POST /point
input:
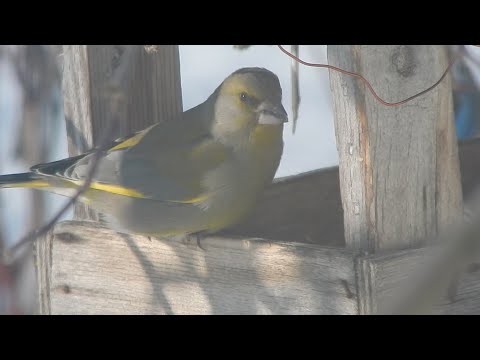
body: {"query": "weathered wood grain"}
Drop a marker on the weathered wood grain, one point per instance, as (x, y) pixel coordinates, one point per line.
(43, 268)
(399, 172)
(98, 271)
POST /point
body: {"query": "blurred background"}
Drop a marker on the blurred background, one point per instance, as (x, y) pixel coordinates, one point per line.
(32, 128)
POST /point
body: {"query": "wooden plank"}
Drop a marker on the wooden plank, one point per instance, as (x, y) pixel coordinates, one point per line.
(380, 277)
(98, 271)
(399, 172)
(151, 89)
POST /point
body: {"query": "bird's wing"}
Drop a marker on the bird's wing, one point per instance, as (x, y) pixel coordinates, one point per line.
(167, 162)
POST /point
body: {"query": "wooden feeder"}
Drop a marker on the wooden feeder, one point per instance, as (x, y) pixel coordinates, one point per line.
(332, 241)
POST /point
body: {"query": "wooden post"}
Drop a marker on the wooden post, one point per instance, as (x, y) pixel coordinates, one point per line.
(152, 91)
(151, 88)
(399, 172)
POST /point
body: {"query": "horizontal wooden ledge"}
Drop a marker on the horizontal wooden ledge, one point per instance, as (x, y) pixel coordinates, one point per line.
(96, 270)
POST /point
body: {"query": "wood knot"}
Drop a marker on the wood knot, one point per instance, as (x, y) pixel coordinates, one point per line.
(66, 289)
(118, 52)
(67, 237)
(151, 49)
(403, 60)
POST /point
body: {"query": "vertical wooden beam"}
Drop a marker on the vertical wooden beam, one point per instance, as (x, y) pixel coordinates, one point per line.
(399, 170)
(152, 90)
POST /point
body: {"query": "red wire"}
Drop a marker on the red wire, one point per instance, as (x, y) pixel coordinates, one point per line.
(366, 82)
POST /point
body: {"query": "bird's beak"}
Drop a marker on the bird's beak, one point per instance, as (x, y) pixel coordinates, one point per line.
(270, 114)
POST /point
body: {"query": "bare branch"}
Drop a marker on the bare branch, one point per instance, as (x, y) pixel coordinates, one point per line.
(295, 87)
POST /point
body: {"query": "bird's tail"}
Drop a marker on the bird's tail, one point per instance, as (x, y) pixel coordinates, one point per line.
(24, 180)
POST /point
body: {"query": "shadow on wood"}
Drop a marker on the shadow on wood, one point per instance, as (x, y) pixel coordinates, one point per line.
(98, 271)
(305, 208)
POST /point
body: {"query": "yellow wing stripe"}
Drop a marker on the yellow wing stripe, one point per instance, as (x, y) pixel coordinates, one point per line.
(120, 190)
(132, 141)
(114, 189)
(192, 200)
(28, 184)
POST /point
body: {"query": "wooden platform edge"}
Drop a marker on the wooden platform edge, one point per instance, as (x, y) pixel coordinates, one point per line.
(96, 270)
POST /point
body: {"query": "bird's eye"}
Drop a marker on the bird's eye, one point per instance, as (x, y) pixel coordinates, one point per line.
(243, 97)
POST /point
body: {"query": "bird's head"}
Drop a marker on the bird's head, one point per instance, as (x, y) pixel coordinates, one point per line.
(247, 99)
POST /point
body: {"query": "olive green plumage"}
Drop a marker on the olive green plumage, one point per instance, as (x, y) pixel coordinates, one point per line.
(201, 172)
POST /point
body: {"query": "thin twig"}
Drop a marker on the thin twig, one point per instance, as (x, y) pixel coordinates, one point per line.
(295, 87)
(113, 87)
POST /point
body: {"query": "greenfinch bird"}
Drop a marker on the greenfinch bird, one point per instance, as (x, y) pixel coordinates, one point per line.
(199, 173)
